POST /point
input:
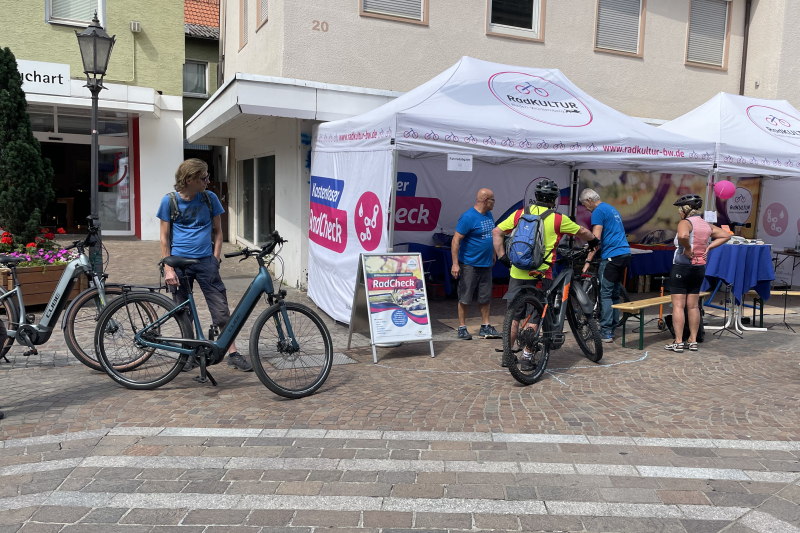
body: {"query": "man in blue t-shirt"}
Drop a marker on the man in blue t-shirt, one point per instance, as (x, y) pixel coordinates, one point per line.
(198, 213)
(473, 258)
(615, 255)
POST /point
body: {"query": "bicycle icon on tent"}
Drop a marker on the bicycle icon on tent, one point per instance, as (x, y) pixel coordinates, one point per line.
(753, 161)
(526, 89)
(470, 139)
(542, 145)
(525, 144)
(559, 146)
(777, 162)
(452, 137)
(591, 148)
(489, 141)
(765, 162)
(694, 155)
(431, 136)
(772, 119)
(576, 147)
(508, 142)
(707, 156)
(788, 163)
(410, 133)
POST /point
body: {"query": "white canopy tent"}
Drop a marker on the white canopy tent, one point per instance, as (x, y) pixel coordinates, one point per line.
(532, 119)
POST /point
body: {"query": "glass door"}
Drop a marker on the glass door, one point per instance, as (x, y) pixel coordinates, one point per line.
(256, 199)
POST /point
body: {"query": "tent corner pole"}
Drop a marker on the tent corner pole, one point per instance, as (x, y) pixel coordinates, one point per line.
(391, 209)
(573, 197)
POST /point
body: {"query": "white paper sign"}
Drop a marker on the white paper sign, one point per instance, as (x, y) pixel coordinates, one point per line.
(44, 78)
(710, 217)
(459, 163)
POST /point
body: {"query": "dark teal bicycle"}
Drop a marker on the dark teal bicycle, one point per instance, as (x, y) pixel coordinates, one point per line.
(144, 339)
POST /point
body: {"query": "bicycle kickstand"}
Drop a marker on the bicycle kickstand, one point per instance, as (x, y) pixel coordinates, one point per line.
(205, 375)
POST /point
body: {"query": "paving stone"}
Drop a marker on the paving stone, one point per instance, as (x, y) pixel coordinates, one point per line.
(242, 475)
(104, 515)
(705, 526)
(327, 518)
(32, 527)
(357, 476)
(207, 474)
(162, 486)
(438, 478)
(111, 485)
(632, 525)
(567, 494)
(285, 475)
(443, 520)
(270, 517)
(59, 514)
(551, 523)
(417, 491)
(387, 519)
(300, 488)
(154, 517)
(396, 477)
(686, 497)
(736, 499)
(253, 487)
(167, 474)
(488, 492)
(496, 521)
(106, 528)
(356, 489)
(215, 517)
(628, 495)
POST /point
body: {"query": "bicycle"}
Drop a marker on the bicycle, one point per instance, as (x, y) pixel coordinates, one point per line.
(559, 146)
(297, 343)
(489, 141)
(547, 332)
(542, 145)
(452, 137)
(591, 285)
(470, 139)
(411, 133)
(432, 135)
(525, 144)
(525, 89)
(508, 142)
(82, 311)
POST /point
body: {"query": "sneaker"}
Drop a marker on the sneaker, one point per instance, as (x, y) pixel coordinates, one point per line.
(237, 361)
(674, 347)
(190, 363)
(488, 332)
(527, 362)
(463, 334)
(608, 338)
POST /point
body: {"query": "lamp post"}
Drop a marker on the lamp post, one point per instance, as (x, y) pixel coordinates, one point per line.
(95, 46)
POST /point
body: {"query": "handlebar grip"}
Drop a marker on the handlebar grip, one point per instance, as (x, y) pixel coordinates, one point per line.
(234, 254)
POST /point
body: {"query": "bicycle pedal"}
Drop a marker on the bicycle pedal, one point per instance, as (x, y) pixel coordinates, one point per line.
(30, 352)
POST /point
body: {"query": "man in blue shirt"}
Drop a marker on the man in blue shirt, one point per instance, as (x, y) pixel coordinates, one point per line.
(198, 212)
(615, 255)
(473, 258)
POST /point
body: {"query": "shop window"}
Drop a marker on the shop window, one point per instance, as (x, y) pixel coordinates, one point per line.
(263, 12)
(256, 199)
(709, 24)
(78, 120)
(243, 22)
(42, 118)
(265, 218)
(195, 78)
(74, 12)
(405, 10)
(246, 200)
(620, 26)
(516, 18)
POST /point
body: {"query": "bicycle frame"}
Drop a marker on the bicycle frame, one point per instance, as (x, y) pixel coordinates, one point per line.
(262, 284)
(58, 301)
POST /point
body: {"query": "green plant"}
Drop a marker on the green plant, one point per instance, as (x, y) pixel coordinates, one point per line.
(25, 177)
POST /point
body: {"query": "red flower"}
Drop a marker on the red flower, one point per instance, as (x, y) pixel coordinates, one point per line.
(49, 236)
(6, 240)
(44, 230)
(61, 231)
(31, 245)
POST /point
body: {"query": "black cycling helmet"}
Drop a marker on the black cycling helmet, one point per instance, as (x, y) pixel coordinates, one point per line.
(546, 191)
(692, 200)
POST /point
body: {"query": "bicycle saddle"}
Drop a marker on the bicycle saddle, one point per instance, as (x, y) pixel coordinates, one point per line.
(179, 262)
(8, 260)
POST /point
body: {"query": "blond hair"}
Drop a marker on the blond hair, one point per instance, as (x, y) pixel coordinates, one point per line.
(189, 170)
(688, 211)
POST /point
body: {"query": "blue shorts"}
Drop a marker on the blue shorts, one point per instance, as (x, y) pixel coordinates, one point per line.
(206, 272)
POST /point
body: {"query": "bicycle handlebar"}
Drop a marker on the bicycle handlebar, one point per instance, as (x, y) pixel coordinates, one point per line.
(265, 249)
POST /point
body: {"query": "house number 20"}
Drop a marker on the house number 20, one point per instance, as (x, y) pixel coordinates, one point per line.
(319, 26)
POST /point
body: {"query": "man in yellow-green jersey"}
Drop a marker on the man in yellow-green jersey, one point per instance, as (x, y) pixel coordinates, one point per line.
(555, 226)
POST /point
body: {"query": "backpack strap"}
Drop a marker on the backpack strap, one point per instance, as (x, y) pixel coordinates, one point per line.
(206, 198)
(174, 213)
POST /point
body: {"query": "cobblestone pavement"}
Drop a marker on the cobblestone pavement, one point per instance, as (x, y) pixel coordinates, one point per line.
(645, 441)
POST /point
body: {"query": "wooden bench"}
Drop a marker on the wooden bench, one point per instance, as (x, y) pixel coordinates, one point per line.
(758, 302)
(632, 309)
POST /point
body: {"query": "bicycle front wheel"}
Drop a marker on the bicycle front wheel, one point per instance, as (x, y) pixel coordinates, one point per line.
(586, 331)
(532, 347)
(291, 369)
(81, 322)
(9, 314)
(138, 367)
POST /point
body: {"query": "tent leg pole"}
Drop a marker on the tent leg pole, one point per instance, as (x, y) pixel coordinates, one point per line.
(573, 198)
(391, 210)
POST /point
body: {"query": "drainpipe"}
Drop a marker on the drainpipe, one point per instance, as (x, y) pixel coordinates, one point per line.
(744, 46)
(222, 35)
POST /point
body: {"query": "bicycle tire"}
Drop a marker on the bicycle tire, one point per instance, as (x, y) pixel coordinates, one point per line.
(511, 361)
(88, 356)
(259, 356)
(592, 344)
(10, 314)
(110, 328)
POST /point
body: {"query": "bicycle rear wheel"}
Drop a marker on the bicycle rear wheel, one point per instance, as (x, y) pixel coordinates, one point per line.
(117, 351)
(9, 314)
(526, 309)
(586, 331)
(286, 371)
(81, 322)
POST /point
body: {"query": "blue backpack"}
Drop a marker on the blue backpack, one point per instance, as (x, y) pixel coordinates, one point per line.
(526, 247)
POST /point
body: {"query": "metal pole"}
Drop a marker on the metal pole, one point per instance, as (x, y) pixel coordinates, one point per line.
(95, 251)
(392, 207)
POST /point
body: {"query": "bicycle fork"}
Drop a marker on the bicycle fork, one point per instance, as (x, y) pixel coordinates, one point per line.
(290, 346)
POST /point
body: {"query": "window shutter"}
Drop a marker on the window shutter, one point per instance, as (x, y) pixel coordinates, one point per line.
(75, 10)
(245, 19)
(409, 9)
(618, 23)
(263, 10)
(708, 22)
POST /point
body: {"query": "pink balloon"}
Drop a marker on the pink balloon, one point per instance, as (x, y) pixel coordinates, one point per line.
(724, 189)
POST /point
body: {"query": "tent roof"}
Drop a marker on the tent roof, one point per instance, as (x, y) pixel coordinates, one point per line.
(501, 112)
(755, 136)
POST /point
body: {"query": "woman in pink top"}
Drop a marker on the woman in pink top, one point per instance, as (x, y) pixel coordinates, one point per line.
(689, 268)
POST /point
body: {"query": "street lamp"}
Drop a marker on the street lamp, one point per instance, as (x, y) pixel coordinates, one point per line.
(95, 46)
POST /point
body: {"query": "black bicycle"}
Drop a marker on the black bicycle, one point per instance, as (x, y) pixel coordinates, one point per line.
(591, 285)
(290, 346)
(534, 322)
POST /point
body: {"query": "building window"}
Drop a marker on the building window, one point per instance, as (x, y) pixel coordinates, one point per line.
(195, 80)
(415, 11)
(243, 20)
(709, 24)
(75, 12)
(620, 26)
(516, 18)
(263, 12)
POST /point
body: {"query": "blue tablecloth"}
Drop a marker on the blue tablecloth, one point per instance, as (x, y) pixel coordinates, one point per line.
(744, 267)
(442, 263)
(657, 262)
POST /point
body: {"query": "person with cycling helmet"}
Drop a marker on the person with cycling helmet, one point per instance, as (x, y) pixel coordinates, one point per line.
(555, 226)
(689, 268)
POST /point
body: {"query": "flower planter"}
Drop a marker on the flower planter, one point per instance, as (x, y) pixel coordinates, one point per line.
(39, 283)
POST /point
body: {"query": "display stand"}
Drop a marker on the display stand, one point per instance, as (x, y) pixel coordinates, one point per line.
(728, 319)
(390, 302)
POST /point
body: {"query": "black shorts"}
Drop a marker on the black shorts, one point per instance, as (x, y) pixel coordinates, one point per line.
(514, 287)
(615, 268)
(475, 283)
(686, 279)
